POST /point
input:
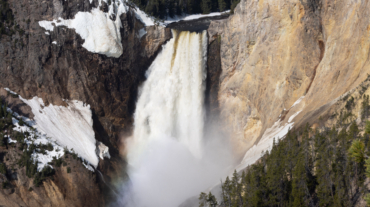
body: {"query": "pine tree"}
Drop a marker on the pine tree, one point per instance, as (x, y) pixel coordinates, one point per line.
(221, 5)
(367, 127)
(357, 151)
(299, 188)
(233, 5)
(227, 191)
(211, 200)
(203, 199)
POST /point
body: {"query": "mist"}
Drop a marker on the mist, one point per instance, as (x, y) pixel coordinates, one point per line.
(169, 173)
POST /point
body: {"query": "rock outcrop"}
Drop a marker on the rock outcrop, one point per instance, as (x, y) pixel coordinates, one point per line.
(274, 52)
(78, 187)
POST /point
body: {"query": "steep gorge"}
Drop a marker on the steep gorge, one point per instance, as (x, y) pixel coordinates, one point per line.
(261, 60)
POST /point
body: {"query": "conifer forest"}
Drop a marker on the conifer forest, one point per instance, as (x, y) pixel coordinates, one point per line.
(169, 8)
(309, 167)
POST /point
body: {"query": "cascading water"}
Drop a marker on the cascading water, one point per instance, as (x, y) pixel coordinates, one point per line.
(171, 100)
(167, 153)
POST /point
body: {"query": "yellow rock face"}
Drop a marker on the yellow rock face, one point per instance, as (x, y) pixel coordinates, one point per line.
(275, 51)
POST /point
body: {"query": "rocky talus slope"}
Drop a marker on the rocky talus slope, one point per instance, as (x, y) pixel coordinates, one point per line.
(275, 51)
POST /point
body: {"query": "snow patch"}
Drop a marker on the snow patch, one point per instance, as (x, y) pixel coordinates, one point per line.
(54, 42)
(102, 151)
(36, 138)
(298, 101)
(265, 144)
(46, 25)
(144, 18)
(142, 32)
(88, 167)
(11, 141)
(69, 126)
(277, 131)
(192, 17)
(101, 34)
(10, 91)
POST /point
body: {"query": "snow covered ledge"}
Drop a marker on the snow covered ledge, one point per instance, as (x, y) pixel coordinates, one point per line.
(101, 33)
(71, 126)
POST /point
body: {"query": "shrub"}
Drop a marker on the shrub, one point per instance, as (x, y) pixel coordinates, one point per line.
(68, 169)
(19, 137)
(350, 103)
(5, 184)
(21, 122)
(66, 150)
(57, 162)
(41, 176)
(74, 155)
(2, 140)
(49, 147)
(2, 168)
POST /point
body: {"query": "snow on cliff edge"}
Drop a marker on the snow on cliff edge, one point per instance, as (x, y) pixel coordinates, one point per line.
(69, 126)
(277, 131)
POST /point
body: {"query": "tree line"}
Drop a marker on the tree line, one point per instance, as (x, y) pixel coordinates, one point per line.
(169, 8)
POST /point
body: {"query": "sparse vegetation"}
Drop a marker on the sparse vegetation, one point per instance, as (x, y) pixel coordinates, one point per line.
(5, 184)
(2, 168)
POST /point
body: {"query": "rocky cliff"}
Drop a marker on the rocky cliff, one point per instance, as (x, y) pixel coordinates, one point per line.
(55, 66)
(275, 52)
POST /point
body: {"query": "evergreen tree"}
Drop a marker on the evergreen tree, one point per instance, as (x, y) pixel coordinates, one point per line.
(227, 191)
(299, 188)
(206, 6)
(357, 151)
(323, 171)
(233, 5)
(221, 5)
(367, 127)
(203, 199)
(211, 200)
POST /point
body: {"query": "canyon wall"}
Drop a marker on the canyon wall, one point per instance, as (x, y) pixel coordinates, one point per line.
(274, 52)
(55, 66)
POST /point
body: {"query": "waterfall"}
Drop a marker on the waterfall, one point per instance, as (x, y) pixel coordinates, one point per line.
(166, 154)
(171, 99)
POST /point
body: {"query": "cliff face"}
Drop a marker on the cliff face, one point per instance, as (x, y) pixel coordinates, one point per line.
(274, 52)
(55, 66)
(33, 66)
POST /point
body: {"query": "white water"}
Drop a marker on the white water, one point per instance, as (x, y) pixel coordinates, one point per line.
(171, 101)
(169, 159)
